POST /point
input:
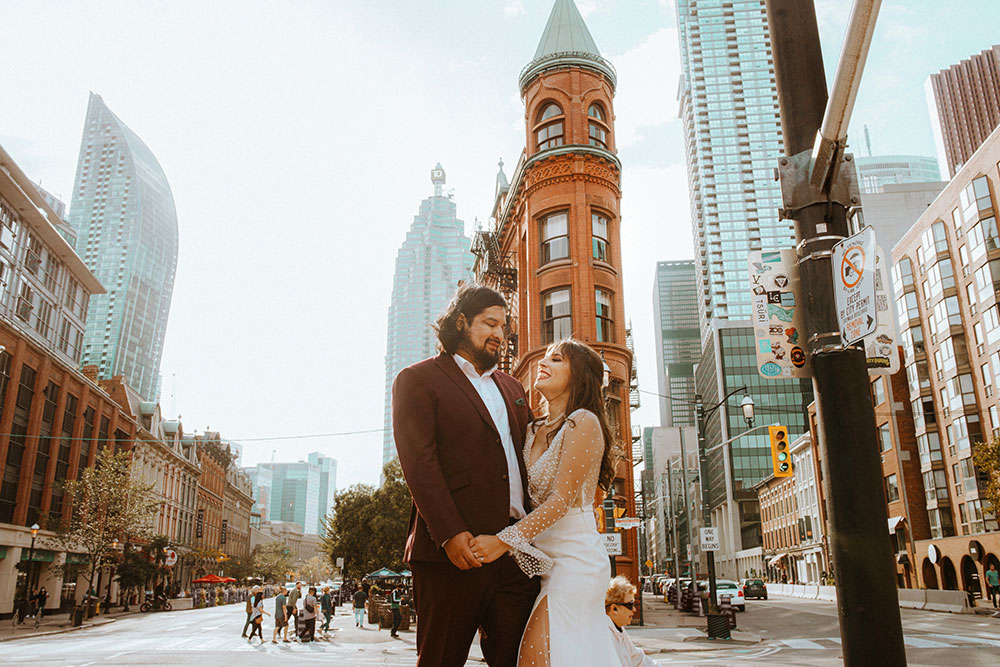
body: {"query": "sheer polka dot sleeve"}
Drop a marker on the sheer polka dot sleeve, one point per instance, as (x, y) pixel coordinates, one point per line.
(574, 469)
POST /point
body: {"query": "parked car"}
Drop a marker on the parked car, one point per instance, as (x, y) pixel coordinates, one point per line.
(727, 587)
(754, 588)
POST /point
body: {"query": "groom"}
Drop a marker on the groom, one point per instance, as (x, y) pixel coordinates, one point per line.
(459, 426)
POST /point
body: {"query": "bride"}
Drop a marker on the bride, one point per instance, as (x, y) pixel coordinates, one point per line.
(568, 455)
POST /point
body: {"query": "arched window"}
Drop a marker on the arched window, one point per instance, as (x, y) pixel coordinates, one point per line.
(597, 126)
(551, 129)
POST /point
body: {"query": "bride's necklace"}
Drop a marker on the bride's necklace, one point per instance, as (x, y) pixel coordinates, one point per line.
(554, 420)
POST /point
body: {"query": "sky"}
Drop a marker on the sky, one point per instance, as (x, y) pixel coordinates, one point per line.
(298, 138)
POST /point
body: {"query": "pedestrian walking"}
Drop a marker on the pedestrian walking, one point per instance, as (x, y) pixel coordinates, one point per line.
(258, 618)
(394, 599)
(309, 604)
(326, 604)
(293, 603)
(993, 584)
(360, 605)
(249, 611)
(281, 615)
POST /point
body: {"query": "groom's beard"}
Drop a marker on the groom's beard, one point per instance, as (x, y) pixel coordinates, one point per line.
(481, 357)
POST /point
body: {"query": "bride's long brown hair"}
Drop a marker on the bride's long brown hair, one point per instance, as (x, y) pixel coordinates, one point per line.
(586, 376)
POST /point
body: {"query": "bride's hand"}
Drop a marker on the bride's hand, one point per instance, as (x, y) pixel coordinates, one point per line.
(487, 548)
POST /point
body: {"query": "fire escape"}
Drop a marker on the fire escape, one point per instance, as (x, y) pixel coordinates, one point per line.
(496, 270)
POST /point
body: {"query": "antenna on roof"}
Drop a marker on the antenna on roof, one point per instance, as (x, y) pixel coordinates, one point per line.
(868, 141)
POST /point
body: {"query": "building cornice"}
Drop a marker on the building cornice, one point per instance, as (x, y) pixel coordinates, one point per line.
(565, 60)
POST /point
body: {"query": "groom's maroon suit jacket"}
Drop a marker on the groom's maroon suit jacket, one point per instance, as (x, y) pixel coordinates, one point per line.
(451, 454)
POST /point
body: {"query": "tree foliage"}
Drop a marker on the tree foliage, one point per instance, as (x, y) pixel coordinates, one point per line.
(316, 569)
(367, 526)
(272, 561)
(986, 456)
(237, 568)
(109, 504)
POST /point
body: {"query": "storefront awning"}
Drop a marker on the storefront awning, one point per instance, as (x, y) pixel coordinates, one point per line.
(893, 522)
(40, 555)
(776, 559)
(77, 558)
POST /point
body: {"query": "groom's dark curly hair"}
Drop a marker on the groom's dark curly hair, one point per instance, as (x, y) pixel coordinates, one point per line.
(469, 300)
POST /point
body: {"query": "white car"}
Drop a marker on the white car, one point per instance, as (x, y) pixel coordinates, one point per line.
(727, 587)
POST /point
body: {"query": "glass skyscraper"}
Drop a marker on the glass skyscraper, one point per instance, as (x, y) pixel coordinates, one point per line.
(433, 260)
(678, 340)
(327, 486)
(123, 213)
(732, 129)
(295, 494)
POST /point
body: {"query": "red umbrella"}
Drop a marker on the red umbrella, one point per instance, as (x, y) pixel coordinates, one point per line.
(212, 579)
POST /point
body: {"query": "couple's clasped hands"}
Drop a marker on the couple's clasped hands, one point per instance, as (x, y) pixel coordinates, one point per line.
(466, 552)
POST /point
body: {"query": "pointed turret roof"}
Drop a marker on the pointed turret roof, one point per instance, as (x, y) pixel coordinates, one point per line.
(566, 31)
(566, 41)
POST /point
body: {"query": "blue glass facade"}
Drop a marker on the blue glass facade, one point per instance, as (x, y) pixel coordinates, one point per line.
(678, 339)
(732, 130)
(295, 494)
(123, 213)
(435, 257)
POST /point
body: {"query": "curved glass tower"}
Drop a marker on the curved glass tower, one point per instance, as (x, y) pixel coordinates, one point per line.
(435, 257)
(123, 213)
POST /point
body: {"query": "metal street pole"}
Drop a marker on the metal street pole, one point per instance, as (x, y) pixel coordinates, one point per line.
(687, 512)
(705, 500)
(816, 192)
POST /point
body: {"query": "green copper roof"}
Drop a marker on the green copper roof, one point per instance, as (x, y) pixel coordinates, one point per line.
(566, 42)
(566, 31)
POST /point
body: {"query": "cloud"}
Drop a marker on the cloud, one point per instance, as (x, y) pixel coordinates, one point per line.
(647, 86)
(513, 8)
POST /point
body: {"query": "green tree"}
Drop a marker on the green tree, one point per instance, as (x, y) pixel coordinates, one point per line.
(272, 560)
(109, 504)
(986, 457)
(316, 569)
(237, 568)
(367, 526)
(133, 572)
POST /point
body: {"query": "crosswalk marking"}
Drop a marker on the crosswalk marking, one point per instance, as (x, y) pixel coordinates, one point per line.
(917, 642)
(801, 643)
(970, 640)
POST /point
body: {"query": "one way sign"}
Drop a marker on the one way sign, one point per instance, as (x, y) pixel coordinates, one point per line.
(854, 285)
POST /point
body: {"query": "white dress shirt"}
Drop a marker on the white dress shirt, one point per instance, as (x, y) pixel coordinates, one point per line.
(490, 393)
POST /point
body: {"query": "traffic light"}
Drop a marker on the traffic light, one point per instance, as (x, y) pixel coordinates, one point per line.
(781, 458)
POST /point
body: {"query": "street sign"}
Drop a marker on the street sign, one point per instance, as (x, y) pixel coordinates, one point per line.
(880, 345)
(627, 522)
(854, 285)
(710, 539)
(778, 318)
(171, 558)
(649, 563)
(613, 543)
(690, 555)
(340, 562)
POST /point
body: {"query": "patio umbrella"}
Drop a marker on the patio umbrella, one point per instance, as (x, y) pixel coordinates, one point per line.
(212, 579)
(384, 573)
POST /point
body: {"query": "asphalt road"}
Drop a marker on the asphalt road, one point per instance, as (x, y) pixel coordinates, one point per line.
(793, 632)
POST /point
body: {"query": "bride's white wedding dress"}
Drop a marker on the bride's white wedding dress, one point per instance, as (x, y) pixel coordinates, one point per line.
(559, 541)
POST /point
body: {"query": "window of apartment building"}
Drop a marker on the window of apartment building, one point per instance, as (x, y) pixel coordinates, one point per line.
(8, 228)
(983, 238)
(25, 302)
(597, 126)
(995, 421)
(33, 255)
(941, 523)
(991, 323)
(878, 391)
(933, 241)
(935, 486)
(555, 237)
(963, 259)
(605, 321)
(549, 130)
(902, 275)
(956, 220)
(63, 458)
(43, 317)
(940, 277)
(51, 271)
(974, 198)
(85, 442)
(557, 320)
(599, 229)
(929, 446)
(884, 437)
(891, 489)
(988, 280)
(17, 443)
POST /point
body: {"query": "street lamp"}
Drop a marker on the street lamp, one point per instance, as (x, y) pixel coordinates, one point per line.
(702, 413)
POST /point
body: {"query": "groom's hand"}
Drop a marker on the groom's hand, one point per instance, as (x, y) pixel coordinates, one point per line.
(460, 553)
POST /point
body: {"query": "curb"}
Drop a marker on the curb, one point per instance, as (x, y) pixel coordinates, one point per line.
(44, 633)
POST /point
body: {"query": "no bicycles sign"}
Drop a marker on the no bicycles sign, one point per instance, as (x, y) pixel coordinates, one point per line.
(854, 285)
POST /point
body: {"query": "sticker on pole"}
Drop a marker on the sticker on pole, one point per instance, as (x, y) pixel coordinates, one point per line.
(627, 522)
(881, 354)
(171, 559)
(854, 285)
(778, 315)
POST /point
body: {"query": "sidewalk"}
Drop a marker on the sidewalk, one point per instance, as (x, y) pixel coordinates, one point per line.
(665, 629)
(57, 623)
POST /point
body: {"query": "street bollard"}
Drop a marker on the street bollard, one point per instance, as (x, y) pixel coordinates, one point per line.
(727, 609)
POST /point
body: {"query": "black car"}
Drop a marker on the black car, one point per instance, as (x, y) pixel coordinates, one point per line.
(754, 588)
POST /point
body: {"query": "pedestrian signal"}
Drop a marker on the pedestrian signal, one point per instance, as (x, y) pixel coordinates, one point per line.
(781, 458)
